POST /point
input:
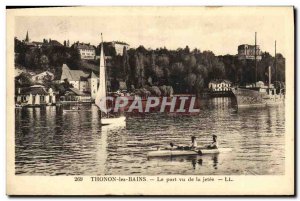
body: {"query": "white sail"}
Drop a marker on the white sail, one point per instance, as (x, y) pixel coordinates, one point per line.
(101, 92)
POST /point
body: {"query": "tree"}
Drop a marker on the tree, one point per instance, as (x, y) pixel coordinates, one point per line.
(157, 73)
(177, 69)
(199, 84)
(169, 91)
(280, 62)
(47, 80)
(66, 84)
(163, 90)
(163, 61)
(155, 91)
(141, 70)
(190, 81)
(23, 80)
(141, 49)
(187, 49)
(126, 67)
(218, 70)
(44, 62)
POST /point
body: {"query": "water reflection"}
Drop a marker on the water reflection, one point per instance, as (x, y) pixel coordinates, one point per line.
(215, 161)
(197, 162)
(50, 141)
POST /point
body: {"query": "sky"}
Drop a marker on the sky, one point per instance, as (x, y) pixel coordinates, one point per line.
(218, 33)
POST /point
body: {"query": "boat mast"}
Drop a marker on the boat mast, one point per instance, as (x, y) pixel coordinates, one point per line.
(101, 92)
(255, 60)
(275, 63)
(105, 70)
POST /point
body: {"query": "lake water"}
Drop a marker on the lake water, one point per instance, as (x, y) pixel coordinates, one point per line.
(50, 141)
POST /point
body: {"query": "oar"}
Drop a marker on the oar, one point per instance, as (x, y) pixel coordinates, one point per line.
(198, 150)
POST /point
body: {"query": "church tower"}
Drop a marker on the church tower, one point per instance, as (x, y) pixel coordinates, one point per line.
(27, 37)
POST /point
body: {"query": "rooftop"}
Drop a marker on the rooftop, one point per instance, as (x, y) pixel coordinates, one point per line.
(218, 81)
(34, 90)
(53, 43)
(76, 75)
(246, 45)
(83, 46)
(73, 75)
(120, 42)
(77, 92)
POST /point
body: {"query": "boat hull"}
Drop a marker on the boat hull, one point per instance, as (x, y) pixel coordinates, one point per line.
(161, 153)
(118, 121)
(251, 98)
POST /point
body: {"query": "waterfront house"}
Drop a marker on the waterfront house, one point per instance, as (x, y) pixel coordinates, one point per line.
(36, 95)
(219, 86)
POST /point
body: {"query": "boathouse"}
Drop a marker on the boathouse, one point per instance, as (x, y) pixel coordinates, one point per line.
(36, 95)
(220, 88)
(219, 85)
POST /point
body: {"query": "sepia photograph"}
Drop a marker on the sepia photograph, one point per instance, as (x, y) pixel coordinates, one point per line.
(111, 93)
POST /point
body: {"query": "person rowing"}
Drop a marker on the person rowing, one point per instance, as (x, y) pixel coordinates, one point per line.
(194, 143)
(214, 144)
(192, 146)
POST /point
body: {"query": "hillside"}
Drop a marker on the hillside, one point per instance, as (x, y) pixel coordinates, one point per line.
(187, 71)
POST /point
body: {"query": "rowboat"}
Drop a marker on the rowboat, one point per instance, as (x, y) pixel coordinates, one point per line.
(176, 152)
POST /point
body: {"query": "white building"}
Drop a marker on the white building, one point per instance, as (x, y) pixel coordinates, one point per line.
(83, 81)
(35, 95)
(119, 47)
(219, 86)
(39, 78)
(247, 52)
(86, 51)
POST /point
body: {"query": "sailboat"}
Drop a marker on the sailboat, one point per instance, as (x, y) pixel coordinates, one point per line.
(106, 119)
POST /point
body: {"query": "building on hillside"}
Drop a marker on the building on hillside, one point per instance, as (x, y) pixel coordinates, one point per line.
(86, 51)
(36, 95)
(45, 43)
(51, 43)
(86, 82)
(41, 77)
(119, 47)
(37, 44)
(247, 52)
(220, 88)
